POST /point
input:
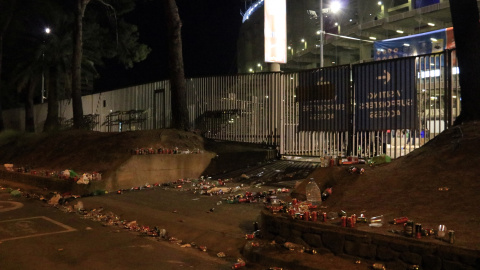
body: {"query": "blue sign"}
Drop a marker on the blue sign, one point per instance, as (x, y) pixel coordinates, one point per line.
(425, 43)
(385, 95)
(322, 96)
(424, 3)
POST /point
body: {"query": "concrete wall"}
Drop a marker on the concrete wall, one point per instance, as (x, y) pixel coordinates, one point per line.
(135, 172)
(394, 252)
(142, 169)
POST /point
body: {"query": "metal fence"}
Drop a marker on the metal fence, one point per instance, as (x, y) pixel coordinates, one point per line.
(384, 107)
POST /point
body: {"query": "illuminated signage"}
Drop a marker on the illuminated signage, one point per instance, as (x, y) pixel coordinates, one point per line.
(275, 31)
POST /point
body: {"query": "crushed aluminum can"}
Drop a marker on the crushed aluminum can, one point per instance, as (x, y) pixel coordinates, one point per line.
(239, 264)
(203, 248)
(362, 218)
(400, 220)
(250, 236)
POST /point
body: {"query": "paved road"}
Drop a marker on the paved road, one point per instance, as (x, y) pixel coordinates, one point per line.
(36, 236)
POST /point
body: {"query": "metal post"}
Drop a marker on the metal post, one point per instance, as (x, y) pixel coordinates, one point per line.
(42, 97)
(321, 33)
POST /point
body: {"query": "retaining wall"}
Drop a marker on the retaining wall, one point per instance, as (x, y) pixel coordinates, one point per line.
(135, 172)
(394, 252)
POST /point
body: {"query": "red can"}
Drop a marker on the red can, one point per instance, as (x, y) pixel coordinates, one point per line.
(250, 236)
(344, 221)
(314, 216)
(400, 220)
(238, 265)
(306, 216)
(324, 214)
(350, 222)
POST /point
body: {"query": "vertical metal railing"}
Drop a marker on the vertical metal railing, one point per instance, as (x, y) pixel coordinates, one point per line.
(316, 113)
(243, 108)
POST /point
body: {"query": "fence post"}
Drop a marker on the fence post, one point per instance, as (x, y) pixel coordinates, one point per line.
(448, 88)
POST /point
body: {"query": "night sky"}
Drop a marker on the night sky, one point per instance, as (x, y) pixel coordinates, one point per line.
(209, 33)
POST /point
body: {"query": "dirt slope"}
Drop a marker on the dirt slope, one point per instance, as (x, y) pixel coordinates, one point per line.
(87, 150)
(436, 184)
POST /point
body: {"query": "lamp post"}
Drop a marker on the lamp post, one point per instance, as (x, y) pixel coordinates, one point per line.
(321, 33)
(47, 31)
(334, 8)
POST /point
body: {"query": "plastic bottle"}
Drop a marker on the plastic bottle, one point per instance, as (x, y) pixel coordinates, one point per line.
(312, 191)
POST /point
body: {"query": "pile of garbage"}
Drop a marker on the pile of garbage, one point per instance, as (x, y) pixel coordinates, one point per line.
(307, 211)
(67, 174)
(152, 151)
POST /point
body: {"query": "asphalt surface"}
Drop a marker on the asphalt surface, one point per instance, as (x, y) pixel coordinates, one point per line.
(199, 231)
(38, 236)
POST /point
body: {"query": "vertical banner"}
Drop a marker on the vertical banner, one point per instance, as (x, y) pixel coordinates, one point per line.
(275, 31)
(385, 95)
(322, 96)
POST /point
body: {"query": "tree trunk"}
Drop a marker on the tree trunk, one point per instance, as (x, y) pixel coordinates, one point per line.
(177, 76)
(77, 64)
(2, 34)
(2, 125)
(51, 123)
(466, 29)
(29, 114)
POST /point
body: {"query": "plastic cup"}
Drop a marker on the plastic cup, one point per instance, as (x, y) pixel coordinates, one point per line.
(442, 229)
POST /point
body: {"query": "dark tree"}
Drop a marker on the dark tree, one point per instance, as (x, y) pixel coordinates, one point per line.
(6, 13)
(466, 27)
(177, 74)
(127, 49)
(77, 55)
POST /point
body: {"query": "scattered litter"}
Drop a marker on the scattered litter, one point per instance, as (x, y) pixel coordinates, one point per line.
(294, 247)
(54, 200)
(221, 255)
(79, 206)
(8, 167)
(16, 193)
(378, 266)
(239, 264)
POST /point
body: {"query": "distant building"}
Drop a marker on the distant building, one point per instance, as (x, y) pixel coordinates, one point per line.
(350, 33)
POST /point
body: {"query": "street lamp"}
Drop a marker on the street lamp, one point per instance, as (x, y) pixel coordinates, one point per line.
(305, 43)
(334, 8)
(47, 31)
